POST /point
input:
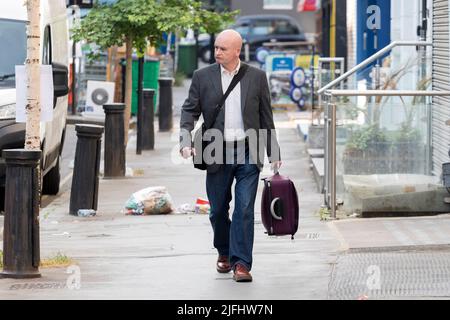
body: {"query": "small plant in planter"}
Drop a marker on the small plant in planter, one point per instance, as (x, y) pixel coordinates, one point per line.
(407, 150)
(366, 150)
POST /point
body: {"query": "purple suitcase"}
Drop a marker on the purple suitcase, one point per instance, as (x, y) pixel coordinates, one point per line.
(279, 206)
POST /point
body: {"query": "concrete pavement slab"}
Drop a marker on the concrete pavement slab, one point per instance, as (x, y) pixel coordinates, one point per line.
(172, 256)
(414, 272)
(392, 232)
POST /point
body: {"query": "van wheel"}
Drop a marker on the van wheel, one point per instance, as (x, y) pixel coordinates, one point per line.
(52, 179)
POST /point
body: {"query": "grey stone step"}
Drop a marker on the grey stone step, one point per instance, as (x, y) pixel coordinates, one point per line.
(406, 204)
(318, 172)
(316, 153)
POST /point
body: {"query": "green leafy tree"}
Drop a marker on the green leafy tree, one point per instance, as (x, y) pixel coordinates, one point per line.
(138, 23)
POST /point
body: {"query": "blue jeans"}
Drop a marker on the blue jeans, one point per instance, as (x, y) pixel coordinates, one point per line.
(233, 238)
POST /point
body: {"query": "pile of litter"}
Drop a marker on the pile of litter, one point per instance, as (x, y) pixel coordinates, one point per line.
(201, 207)
(157, 200)
(148, 201)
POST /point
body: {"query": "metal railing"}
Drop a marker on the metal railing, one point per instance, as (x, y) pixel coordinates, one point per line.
(340, 62)
(331, 124)
(327, 116)
(371, 59)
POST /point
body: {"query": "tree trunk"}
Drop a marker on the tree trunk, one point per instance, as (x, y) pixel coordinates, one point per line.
(108, 65)
(33, 107)
(175, 60)
(128, 85)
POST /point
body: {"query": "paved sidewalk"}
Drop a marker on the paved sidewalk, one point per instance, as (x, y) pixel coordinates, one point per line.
(171, 256)
(393, 232)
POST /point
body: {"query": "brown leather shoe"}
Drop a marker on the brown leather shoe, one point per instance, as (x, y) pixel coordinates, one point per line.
(241, 274)
(223, 264)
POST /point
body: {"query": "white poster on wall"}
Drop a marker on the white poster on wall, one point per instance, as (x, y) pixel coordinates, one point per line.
(46, 93)
(278, 4)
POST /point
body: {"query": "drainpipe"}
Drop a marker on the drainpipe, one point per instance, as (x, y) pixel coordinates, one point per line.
(422, 33)
(422, 75)
(424, 28)
(423, 37)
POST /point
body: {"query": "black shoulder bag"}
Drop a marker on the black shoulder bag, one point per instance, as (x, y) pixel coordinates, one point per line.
(199, 143)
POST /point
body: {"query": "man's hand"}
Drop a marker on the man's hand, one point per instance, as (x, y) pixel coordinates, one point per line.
(187, 152)
(274, 166)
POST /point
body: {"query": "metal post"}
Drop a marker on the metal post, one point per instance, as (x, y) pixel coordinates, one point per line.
(114, 140)
(140, 105)
(21, 247)
(148, 126)
(84, 191)
(74, 53)
(327, 128)
(341, 62)
(312, 77)
(326, 178)
(377, 76)
(429, 153)
(319, 96)
(165, 104)
(247, 51)
(332, 185)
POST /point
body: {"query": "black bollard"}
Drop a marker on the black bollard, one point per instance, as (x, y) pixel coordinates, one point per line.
(21, 248)
(212, 48)
(165, 104)
(114, 140)
(148, 126)
(84, 192)
(140, 105)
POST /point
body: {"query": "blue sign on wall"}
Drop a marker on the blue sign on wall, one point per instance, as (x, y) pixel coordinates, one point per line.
(373, 27)
(280, 64)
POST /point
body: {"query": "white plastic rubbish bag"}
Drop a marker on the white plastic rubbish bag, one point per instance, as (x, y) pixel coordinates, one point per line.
(153, 200)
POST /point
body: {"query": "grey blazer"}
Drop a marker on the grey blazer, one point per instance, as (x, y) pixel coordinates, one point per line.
(204, 95)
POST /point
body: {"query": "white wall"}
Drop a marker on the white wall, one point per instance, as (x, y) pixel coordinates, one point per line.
(405, 17)
(351, 33)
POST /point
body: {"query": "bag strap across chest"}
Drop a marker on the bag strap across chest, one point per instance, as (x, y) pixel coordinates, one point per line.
(236, 79)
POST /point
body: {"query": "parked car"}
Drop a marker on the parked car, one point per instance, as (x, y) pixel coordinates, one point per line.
(256, 30)
(54, 51)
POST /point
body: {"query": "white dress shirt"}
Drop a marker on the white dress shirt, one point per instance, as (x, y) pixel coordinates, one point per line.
(234, 124)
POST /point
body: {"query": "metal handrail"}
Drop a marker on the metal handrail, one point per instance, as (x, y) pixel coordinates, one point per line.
(331, 123)
(288, 43)
(330, 59)
(371, 59)
(385, 93)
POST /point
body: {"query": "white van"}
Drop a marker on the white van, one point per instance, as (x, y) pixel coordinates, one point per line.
(54, 51)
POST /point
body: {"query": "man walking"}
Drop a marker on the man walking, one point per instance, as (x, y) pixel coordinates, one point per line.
(247, 128)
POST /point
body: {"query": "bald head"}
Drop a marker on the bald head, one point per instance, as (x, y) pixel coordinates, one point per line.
(228, 48)
(231, 36)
